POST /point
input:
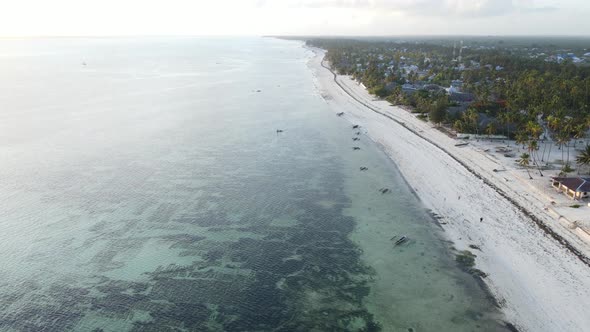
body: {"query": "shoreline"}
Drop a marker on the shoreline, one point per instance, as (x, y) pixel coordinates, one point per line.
(542, 225)
(536, 274)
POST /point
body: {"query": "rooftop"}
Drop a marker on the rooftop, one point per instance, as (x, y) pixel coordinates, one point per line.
(578, 184)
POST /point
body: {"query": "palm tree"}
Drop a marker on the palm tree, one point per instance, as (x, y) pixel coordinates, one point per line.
(472, 116)
(459, 126)
(568, 128)
(562, 139)
(554, 123)
(544, 140)
(533, 148)
(584, 157)
(534, 131)
(503, 119)
(524, 161)
(579, 132)
(491, 129)
(521, 138)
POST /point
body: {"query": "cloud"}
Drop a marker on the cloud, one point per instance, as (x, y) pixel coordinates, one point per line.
(477, 7)
(459, 8)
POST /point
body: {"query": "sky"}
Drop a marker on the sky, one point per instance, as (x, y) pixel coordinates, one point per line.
(293, 17)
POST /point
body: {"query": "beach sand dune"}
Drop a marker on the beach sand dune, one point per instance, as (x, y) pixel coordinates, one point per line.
(540, 283)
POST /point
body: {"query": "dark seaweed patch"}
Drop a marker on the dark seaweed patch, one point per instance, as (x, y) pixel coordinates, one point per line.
(257, 282)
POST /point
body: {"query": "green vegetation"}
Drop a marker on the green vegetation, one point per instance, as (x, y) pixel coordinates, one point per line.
(466, 259)
(583, 158)
(536, 91)
(567, 168)
(422, 117)
(524, 161)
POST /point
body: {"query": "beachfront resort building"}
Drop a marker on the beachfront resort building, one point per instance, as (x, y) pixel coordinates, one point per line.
(574, 187)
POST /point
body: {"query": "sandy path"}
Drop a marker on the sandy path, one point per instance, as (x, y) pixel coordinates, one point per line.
(541, 284)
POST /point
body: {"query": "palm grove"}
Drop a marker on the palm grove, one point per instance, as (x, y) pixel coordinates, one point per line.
(534, 93)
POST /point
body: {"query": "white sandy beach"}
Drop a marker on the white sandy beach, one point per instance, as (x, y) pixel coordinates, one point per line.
(540, 284)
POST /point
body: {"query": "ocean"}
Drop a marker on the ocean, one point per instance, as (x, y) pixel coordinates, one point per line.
(203, 184)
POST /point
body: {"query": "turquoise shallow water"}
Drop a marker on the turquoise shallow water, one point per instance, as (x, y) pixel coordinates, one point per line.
(145, 188)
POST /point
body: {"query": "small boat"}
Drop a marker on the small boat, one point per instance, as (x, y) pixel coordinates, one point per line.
(340, 114)
(401, 240)
(355, 126)
(462, 144)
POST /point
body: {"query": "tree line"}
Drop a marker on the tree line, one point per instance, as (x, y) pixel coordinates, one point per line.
(540, 104)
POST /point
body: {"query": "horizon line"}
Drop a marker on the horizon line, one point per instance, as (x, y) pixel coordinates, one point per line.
(291, 35)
